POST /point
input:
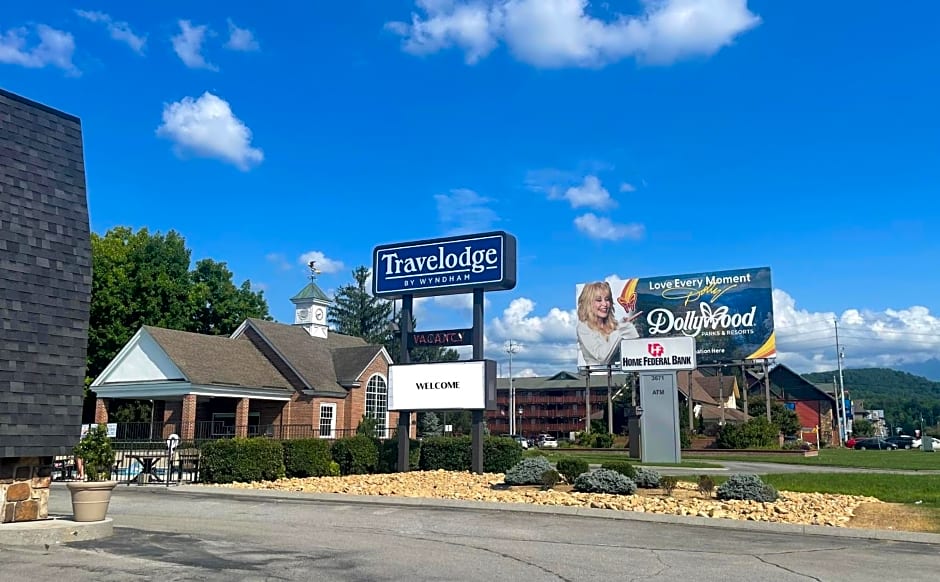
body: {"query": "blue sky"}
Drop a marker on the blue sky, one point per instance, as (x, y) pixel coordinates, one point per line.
(621, 138)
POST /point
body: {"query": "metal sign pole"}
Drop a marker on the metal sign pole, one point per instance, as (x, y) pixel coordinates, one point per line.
(404, 417)
(476, 432)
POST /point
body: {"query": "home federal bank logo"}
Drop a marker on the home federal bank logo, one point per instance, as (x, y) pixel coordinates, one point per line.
(445, 266)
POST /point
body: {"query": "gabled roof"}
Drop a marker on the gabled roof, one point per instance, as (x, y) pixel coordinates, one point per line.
(714, 413)
(311, 358)
(718, 388)
(311, 291)
(217, 360)
(699, 395)
(788, 385)
(349, 363)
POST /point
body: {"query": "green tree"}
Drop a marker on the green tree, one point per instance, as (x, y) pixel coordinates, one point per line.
(786, 420)
(357, 313)
(142, 278)
(429, 424)
(424, 354)
(862, 428)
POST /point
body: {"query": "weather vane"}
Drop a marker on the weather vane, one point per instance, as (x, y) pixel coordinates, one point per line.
(314, 271)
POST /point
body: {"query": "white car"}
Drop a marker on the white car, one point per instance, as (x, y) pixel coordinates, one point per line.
(548, 442)
(918, 443)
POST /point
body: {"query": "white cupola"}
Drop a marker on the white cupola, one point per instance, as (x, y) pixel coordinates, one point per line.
(310, 307)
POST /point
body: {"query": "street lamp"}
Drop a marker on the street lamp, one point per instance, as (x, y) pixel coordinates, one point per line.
(512, 348)
(519, 410)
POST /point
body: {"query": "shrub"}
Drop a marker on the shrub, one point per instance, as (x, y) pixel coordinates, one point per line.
(96, 453)
(706, 485)
(605, 481)
(550, 478)
(242, 459)
(444, 452)
(500, 454)
(747, 486)
(647, 478)
(306, 457)
(528, 471)
(388, 455)
(603, 440)
(356, 455)
(758, 432)
(622, 467)
(668, 483)
(571, 467)
(334, 469)
(455, 454)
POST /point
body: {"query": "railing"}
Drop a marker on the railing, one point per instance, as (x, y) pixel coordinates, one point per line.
(141, 462)
(212, 430)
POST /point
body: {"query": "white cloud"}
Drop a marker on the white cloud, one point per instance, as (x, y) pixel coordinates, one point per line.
(119, 30)
(570, 33)
(324, 263)
(464, 211)
(601, 227)
(805, 339)
(589, 193)
(55, 48)
(627, 187)
(241, 39)
(207, 127)
(188, 45)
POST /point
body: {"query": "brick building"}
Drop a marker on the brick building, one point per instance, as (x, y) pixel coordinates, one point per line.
(45, 290)
(273, 379)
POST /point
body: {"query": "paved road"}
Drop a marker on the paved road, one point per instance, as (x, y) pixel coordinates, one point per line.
(168, 536)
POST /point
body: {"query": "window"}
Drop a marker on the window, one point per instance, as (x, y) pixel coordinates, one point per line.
(327, 421)
(377, 404)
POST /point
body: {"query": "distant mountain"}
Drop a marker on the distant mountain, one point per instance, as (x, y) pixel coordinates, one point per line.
(903, 396)
(929, 369)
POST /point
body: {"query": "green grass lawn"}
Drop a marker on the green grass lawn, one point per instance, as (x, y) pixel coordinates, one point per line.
(601, 458)
(914, 460)
(885, 486)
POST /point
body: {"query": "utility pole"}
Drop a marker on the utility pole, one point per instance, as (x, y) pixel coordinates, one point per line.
(512, 348)
(840, 389)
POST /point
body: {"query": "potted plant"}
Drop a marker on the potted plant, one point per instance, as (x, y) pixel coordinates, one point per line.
(90, 499)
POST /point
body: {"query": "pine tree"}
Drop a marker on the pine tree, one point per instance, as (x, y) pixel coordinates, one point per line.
(356, 312)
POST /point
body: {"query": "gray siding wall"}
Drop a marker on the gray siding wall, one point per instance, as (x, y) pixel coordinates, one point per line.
(45, 278)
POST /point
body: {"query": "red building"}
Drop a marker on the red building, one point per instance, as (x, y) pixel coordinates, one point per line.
(813, 406)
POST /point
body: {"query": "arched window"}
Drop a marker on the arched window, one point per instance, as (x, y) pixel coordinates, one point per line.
(377, 404)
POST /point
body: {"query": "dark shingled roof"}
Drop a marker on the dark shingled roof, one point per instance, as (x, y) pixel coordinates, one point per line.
(218, 360)
(350, 362)
(312, 358)
(711, 412)
(717, 390)
(699, 394)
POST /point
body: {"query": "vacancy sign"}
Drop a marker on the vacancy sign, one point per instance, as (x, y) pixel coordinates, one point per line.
(467, 385)
(650, 354)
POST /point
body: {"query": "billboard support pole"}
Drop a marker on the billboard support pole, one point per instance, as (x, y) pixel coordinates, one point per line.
(691, 406)
(476, 431)
(744, 386)
(610, 400)
(587, 401)
(404, 417)
(767, 390)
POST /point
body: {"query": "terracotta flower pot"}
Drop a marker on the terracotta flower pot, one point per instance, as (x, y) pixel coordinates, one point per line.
(90, 499)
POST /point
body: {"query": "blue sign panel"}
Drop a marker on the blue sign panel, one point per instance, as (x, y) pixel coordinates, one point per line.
(445, 266)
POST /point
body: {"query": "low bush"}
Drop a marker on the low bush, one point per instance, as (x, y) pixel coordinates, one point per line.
(500, 454)
(706, 485)
(445, 452)
(758, 432)
(595, 440)
(388, 455)
(622, 467)
(748, 487)
(307, 457)
(668, 484)
(605, 481)
(528, 471)
(571, 467)
(550, 478)
(647, 478)
(356, 455)
(242, 460)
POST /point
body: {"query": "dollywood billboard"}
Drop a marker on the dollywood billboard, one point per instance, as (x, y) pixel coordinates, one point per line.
(729, 313)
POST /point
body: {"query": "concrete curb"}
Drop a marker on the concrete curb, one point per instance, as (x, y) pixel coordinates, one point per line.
(462, 505)
(52, 531)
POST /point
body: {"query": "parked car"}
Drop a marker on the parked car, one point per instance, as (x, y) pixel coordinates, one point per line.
(876, 443)
(902, 441)
(547, 441)
(918, 443)
(521, 440)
